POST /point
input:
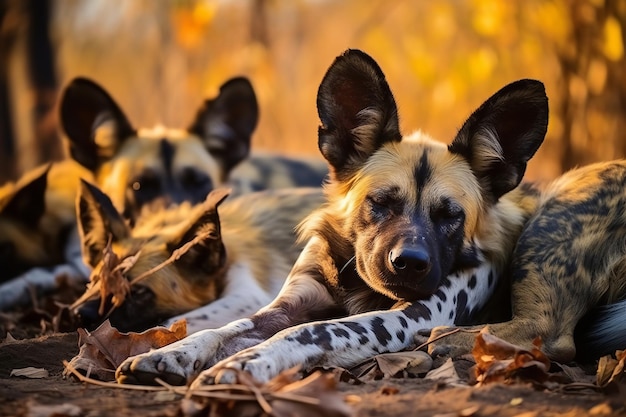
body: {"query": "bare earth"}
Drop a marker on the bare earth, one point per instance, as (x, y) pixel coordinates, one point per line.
(55, 396)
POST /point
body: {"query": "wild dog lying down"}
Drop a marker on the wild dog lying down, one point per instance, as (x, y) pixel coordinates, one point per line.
(137, 167)
(228, 263)
(37, 223)
(568, 271)
(414, 234)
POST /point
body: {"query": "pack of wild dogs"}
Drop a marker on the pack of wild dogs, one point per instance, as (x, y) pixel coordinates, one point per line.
(394, 240)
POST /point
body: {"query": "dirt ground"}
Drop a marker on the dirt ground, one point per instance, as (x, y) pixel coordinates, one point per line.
(55, 396)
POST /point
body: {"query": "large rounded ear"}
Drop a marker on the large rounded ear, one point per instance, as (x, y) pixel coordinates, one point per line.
(200, 243)
(226, 123)
(501, 136)
(98, 221)
(93, 122)
(357, 111)
(26, 203)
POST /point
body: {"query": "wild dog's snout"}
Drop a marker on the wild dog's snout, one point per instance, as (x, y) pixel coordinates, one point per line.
(412, 261)
(409, 260)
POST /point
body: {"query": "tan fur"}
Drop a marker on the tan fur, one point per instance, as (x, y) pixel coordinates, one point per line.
(257, 230)
(583, 211)
(36, 244)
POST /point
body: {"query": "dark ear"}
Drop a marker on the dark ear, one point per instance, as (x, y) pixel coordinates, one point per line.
(93, 122)
(501, 136)
(27, 203)
(98, 221)
(357, 111)
(226, 123)
(201, 242)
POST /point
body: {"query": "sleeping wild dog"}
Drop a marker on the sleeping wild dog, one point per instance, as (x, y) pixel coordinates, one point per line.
(414, 234)
(136, 168)
(37, 222)
(234, 261)
(160, 166)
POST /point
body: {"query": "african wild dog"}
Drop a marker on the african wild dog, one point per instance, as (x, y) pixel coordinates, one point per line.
(138, 167)
(37, 218)
(568, 271)
(414, 234)
(236, 263)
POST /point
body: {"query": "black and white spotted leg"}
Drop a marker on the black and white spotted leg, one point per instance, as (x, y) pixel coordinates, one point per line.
(346, 342)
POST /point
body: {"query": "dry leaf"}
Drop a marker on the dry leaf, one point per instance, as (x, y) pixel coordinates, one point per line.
(500, 361)
(111, 278)
(610, 371)
(319, 386)
(104, 349)
(446, 373)
(30, 372)
(283, 396)
(413, 362)
(388, 365)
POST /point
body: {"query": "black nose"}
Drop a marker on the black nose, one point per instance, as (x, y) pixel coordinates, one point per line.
(409, 260)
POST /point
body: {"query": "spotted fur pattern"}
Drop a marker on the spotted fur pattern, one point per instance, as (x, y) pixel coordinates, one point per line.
(568, 270)
(414, 234)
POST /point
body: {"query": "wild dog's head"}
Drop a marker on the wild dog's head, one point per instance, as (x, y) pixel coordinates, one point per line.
(37, 217)
(22, 244)
(409, 208)
(140, 167)
(179, 252)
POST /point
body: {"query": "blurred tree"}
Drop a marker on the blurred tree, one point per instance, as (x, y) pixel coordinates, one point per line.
(593, 86)
(25, 39)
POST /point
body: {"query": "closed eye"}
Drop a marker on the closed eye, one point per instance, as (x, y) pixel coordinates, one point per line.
(446, 210)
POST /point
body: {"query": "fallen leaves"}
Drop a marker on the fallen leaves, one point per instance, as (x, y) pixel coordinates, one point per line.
(104, 349)
(500, 361)
(283, 396)
(30, 372)
(109, 281)
(389, 365)
(611, 372)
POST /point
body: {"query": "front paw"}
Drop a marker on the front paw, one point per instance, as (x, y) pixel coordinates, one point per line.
(229, 371)
(175, 368)
(175, 364)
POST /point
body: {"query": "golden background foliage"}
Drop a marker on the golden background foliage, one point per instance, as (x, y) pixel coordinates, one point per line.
(160, 59)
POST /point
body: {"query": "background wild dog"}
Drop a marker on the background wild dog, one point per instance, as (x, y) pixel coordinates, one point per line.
(568, 271)
(161, 165)
(236, 262)
(414, 234)
(37, 221)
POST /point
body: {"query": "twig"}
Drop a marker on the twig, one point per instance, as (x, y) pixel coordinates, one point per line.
(173, 258)
(249, 393)
(443, 335)
(83, 378)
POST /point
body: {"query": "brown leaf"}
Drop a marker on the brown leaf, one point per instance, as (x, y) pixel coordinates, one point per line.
(283, 396)
(104, 349)
(388, 365)
(414, 362)
(611, 371)
(445, 373)
(317, 386)
(111, 277)
(500, 361)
